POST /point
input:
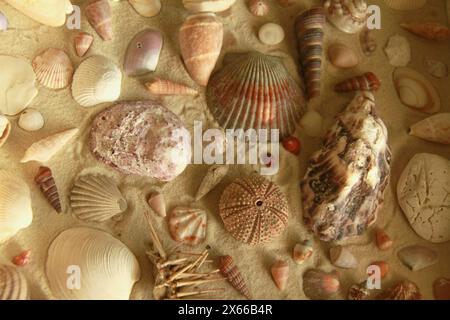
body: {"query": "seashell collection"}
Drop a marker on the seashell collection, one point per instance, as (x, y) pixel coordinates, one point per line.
(98, 124)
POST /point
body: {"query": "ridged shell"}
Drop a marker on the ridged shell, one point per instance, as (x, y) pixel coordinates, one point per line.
(344, 184)
(49, 12)
(160, 86)
(341, 257)
(213, 176)
(208, 5)
(99, 15)
(44, 179)
(302, 252)
(441, 289)
(320, 285)
(230, 271)
(5, 129)
(83, 41)
(105, 266)
(366, 82)
(15, 205)
(417, 257)
(349, 16)
(96, 198)
(280, 273)
(405, 4)
(53, 69)
(404, 290)
(13, 284)
(258, 8)
(31, 120)
(435, 128)
(254, 210)
(97, 80)
(143, 52)
(188, 225)
(146, 8)
(255, 91)
(428, 30)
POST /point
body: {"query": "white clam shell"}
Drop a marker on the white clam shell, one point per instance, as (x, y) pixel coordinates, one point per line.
(405, 5)
(108, 269)
(208, 5)
(53, 68)
(146, 8)
(13, 284)
(5, 129)
(31, 120)
(49, 12)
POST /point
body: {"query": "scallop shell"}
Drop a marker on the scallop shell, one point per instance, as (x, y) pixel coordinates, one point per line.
(49, 12)
(53, 69)
(3, 22)
(255, 91)
(156, 201)
(302, 252)
(428, 30)
(349, 16)
(97, 80)
(441, 289)
(415, 91)
(146, 8)
(44, 179)
(208, 5)
(366, 82)
(230, 271)
(212, 178)
(280, 273)
(5, 129)
(13, 284)
(320, 285)
(341, 257)
(367, 42)
(99, 15)
(83, 41)
(254, 210)
(143, 52)
(43, 150)
(92, 257)
(258, 8)
(404, 290)
(160, 86)
(417, 257)
(31, 120)
(96, 198)
(15, 205)
(435, 128)
(405, 4)
(188, 225)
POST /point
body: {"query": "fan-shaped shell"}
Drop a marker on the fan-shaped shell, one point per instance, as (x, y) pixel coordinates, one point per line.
(188, 225)
(89, 264)
(96, 198)
(405, 4)
(255, 91)
(5, 129)
(49, 12)
(97, 80)
(349, 16)
(13, 284)
(15, 205)
(53, 68)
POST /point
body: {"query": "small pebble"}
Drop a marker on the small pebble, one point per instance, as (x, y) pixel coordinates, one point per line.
(22, 259)
(271, 34)
(398, 51)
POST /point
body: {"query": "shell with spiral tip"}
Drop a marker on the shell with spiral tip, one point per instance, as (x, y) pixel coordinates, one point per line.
(302, 251)
(366, 82)
(255, 91)
(280, 273)
(53, 68)
(143, 52)
(96, 198)
(96, 80)
(5, 129)
(212, 178)
(15, 205)
(43, 150)
(146, 8)
(201, 37)
(13, 284)
(160, 86)
(404, 290)
(435, 128)
(320, 285)
(99, 15)
(417, 257)
(188, 225)
(258, 8)
(367, 42)
(82, 42)
(441, 289)
(48, 12)
(44, 179)
(405, 5)
(156, 201)
(254, 210)
(99, 257)
(428, 30)
(341, 257)
(231, 272)
(349, 16)
(208, 5)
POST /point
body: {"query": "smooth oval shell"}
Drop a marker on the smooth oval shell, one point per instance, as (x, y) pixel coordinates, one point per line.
(5, 129)
(417, 257)
(99, 15)
(101, 259)
(320, 285)
(143, 52)
(188, 225)
(31, 120)
(342, 56)
(146, 8)
(341, 257)
(208, 5)
(49, 12)
(3, 22)
(435, 128)
(271, 34)
(347, 15)
(53, 69)
(405, 5)
(82, 42)
(13, 284)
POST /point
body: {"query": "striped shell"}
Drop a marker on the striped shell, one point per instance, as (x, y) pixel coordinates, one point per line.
(230, 271)
(254, 210)
(13, 284)
(188, 225)
(255, 91)
(53, 69)
(349, 16)
(366, 82)
(405, 4)
(44, 179)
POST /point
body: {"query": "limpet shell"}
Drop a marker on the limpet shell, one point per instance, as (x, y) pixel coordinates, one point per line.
(5, 129)
(31, 120)
(53, 69)
(188, 225)
(13, 284)
(143, 52)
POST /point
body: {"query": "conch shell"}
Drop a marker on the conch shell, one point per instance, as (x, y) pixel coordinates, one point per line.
(213, 177)
(44, 179)
(230, 271)
(49, 12)
(435, 128)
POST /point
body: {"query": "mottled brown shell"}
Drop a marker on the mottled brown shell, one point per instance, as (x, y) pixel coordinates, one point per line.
(230, 271)
(44, 179)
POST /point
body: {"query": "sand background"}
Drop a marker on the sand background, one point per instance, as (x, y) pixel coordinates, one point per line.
(26, 38)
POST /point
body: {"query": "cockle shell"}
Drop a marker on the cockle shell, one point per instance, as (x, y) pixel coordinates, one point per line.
(230, 271)
(96, 198)
(49, 12)
(254, 210)
(17, 85)
(3, 22)
(436, 68)
(349, 16)
(15, 205)
(441, 289)
(255, 91)
(143, 52)
(31, 120)
(302, 252)
(398, 51)
(416, 91)
(344, 184)
(146, 8)
(208, 5)
(258, 8)
(320, 285)
(201, 37)
(271, 34)
(13, 284)
(97, 80)
(367, 42)
(280, 273)
(5, 129)
(428, 30)
(404, 290)
(159, 86)
(213, 176)
(188, 225)
(384, 242)
(99, 15)
(44, 179)
(83, 41)
(53, 69)
(366, 82)
(435, 128)
(156, 201)
(405, 4)
(417, 257)
(80, 259)
(341, 257)
(43, 150)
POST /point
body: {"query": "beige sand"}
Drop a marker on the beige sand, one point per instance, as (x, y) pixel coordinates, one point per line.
(27, 39)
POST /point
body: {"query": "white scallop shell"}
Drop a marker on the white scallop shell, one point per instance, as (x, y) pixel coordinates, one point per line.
(208, 5)
(146, 8)
(96, 198)
(31, 120)
(97, 80)
(5, 129)
(15, 205)
(13, 284)
(405, 4)
(53, 68)
(89, 264)
(188, 225)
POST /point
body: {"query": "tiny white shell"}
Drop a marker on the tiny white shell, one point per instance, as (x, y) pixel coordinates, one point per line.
(271, 34)
(31, 120)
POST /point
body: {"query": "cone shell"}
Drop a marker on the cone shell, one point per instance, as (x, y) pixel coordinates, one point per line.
(188, 225)
(15, 205)
(367, 42)
(349, 16)
(101, 259)
(230, 271)
(31, 120)
(5, 129)
(302, 252)
(83, 42)
(428, 30)
(280, 273)
(384, 242)
(97, 80)
(258, 8)
(212, 178)
(255, 91)
(143, 52)
(48, 12)
(208, 5)
(44, 179)
(441, 289)
(53, 69)
(156, 201)
(366, 82)
(99, 15)
(160, 86)
(405, 5)
(435, 128)
(201, 37)
(13, 284)
(341, 257)
(146, 8)
(417, 257)
(96, 198)
(320, 285)
(404, 290)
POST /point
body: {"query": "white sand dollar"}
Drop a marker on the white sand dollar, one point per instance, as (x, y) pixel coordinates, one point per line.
(271, 34)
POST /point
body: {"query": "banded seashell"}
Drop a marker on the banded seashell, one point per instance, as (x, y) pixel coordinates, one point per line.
(405, 4)
(213, 176)
(349, 16)
(255, 91)
(188, 225)
(366, 82)
(31, 120)
(164, 87)
(146, 8)
(44, 179)
(367, 42)
(435, 128)
(417, 257)
(403, 290)
(82, 41)
(13, 284)
(99, 15)
(258, 8)
(280, 273)
(96, 198)
(208, 5)
(48, 12)
(5, 129)
(53, 69)
(231, 272)
(428, 30)
(320, 285)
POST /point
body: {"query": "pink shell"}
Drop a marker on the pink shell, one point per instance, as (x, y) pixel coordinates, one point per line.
(188, 225)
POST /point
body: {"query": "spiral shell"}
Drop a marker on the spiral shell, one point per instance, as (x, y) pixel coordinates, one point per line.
(320, 285)
(44, 179)
(280, 273)
(188, 225)
(349, 16)
(99, 15)
(82, 41)
(366, 82)
(13, 284)
(230, 271)
(53, 69)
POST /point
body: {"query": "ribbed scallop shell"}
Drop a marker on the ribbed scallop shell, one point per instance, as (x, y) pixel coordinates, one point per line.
(255, 91)
(53, 69)
(5, 129)
(405, 4)
(188, 225)
(105, 266)
(13, 284)
(97, 80)
(96, 198)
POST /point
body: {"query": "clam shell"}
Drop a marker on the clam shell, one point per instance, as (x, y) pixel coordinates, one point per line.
(83, 41)
(435, 128)
(280, 273)
(258, 8)
(231, 272)
(160, 86)
(441, 289)
(96, 257)
(302, 252)
(53, 69)
(347, 15)
(31, 120)
(320, 285)
(404, 290)
(188, 225)
(13, 284)
(208, 5)
(96, 198)
(49, 12)
(15, 205)
(255, 91)
(415, 91)
(417, 257)
(405, 4)
(428, 30)
(146, 8)
(143, 52)
(341, 257)
(97, 80)
(99, 15)
(44, 179)
(3, 22)
(5, 129)
(212, 178)
(156, 201)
